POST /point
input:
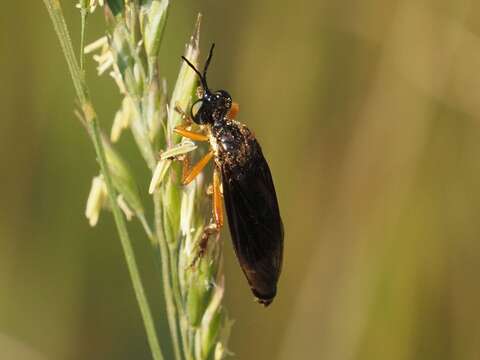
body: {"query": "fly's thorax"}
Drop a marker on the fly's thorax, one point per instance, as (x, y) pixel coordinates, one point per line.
(231, 142)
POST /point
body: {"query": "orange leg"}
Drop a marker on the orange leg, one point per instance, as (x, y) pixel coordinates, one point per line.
(185, 166)
(232, 114)
(189, 175)
(181, 130)
(217, 199)
(217, 223)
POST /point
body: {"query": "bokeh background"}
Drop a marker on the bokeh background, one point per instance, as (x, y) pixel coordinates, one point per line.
(369, 114)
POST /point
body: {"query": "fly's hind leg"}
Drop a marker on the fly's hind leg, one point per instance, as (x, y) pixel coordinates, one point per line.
(217, 199)
(217, 216)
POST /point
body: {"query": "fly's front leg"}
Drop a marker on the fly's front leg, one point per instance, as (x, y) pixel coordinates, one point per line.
(186, 118)
(185, 132)
(185, 128)
(190, 174)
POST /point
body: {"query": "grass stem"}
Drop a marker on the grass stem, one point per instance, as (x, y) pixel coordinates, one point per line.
(166, 275)
(56, 15)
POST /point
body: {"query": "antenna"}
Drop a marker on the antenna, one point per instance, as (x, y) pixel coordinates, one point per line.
(203, 78)
(210, 54)
(204, 83)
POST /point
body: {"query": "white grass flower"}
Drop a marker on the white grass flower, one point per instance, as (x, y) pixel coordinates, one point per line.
(122, 120)
(117, 77)
(117, 126)
(96, 200)
(104, 58)
(159, 174)
(180, 149)
(105, 61)
(101, 43)
(124, 207)
(219, 351)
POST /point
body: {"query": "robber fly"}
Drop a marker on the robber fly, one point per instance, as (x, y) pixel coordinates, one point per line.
(243, 173)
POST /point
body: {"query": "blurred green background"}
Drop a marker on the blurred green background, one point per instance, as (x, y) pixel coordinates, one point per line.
(368, 112)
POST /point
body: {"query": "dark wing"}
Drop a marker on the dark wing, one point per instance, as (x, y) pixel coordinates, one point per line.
(255, 223)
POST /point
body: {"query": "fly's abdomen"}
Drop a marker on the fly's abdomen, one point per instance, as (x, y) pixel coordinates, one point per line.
(252, 210)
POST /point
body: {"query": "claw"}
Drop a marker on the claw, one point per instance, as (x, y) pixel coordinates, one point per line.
(211, 229)
(185, 117)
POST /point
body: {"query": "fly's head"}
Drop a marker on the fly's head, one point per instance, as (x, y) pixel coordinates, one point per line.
(212, 106)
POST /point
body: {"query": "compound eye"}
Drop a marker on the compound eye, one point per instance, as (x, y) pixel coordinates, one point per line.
(196, 108)
(228, 102)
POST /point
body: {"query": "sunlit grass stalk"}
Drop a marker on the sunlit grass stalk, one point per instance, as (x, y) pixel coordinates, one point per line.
(83, 5)
(162, 249)
(193, 287)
